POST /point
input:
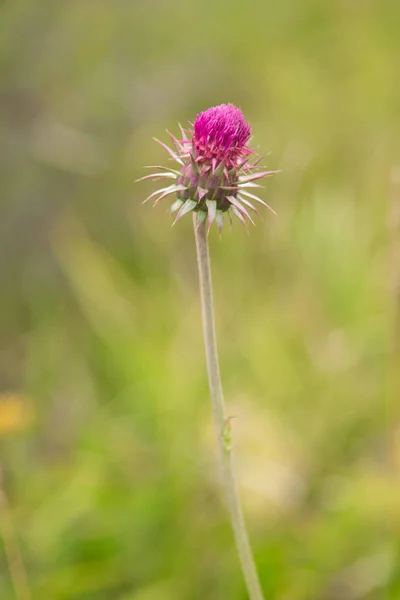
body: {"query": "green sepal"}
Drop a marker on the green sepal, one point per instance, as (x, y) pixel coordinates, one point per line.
(219, 218)
(212, 211)
(201, 217)
(176, 205)
(187, 207)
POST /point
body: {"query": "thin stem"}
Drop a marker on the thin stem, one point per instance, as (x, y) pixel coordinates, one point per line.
(394, 340)
(221, 421)
(11, 549)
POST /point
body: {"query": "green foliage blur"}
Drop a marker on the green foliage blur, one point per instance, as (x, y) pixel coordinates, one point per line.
(108, 452)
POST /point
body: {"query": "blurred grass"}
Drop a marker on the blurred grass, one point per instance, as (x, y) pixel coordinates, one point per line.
(114, 479)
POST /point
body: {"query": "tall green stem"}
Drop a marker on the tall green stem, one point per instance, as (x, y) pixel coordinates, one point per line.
(221, 421)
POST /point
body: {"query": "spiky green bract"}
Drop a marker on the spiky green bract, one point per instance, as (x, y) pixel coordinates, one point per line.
(214, 169)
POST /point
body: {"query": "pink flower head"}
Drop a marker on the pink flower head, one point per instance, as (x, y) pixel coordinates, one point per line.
(220, 135)
(214, 173)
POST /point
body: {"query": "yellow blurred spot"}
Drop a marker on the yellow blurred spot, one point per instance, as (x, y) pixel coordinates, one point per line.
(16, 412)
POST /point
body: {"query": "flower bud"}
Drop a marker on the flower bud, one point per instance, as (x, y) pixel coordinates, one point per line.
(215, 171)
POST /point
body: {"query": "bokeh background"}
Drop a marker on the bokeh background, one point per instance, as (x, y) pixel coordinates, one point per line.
(108, 453)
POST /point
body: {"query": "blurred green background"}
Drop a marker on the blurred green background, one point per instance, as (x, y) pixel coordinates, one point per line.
(108, 452)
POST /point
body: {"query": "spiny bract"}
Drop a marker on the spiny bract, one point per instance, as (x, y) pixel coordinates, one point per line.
(215, 171)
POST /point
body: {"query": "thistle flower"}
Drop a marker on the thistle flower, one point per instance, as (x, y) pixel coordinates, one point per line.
(213, 177)
(215, 170)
